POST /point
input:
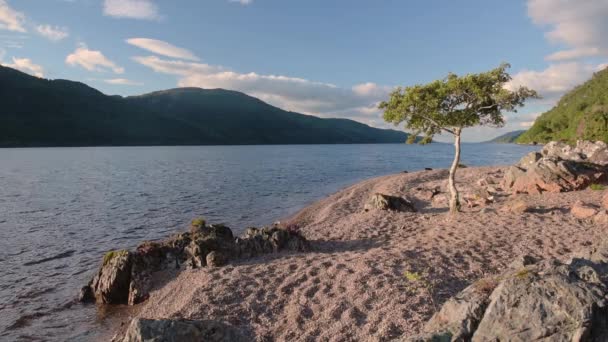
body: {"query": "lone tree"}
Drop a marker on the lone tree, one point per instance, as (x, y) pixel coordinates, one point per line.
(452, 104)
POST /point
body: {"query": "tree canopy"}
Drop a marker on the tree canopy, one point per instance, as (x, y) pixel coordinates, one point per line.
(452, 104)
(455, 102)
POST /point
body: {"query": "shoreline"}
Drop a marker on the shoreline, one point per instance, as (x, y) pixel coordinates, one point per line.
(352, 284)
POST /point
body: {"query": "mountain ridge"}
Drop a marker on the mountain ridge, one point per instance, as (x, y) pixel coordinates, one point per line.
(507, 138)
(41, 112)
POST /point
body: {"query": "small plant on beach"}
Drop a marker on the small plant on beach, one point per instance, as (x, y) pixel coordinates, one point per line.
(452, 104)
(597, 187)
(421, 280)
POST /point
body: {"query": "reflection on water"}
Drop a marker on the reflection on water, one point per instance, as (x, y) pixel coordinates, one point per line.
(62, 208)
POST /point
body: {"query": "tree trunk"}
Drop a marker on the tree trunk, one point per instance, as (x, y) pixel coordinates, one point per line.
(454, 200)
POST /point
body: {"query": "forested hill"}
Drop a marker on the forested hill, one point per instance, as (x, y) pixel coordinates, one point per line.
(580, 114)
(507, 138)
(40, 112)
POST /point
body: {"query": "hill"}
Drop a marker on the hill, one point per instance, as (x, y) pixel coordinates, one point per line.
(40, 112)
(507, 138)
(580, 114)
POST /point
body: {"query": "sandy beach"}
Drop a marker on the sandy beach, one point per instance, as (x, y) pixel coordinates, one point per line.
(352, 286)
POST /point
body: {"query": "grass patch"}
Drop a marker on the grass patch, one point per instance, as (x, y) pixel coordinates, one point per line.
(523, 273)
(597, 187)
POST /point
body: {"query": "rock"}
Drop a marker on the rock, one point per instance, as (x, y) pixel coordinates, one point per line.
(582, 210)
(511, 175)
(605, 200)
(441, 199)
(460, 315)
(427, 194)
(144, 330)
(491, 190)
(517, 207)
(523, 261)
(529, 160)
(86, 294)
(216, 259)
(428, 169)
(559, 168)
(561, 150)
(594, 152)
(546, 300)
(111, 284)
(601, 218)
(387, 202)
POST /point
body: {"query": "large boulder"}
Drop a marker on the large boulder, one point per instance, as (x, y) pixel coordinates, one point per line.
(112, 281)
(145, 330)
(387, 202)
(558, 168)
(545, 301)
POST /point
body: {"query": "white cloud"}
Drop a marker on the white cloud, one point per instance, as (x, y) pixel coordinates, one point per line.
(242, 2)
(133, 9)
(162, 48)
(122, 81)
(92, 60)
(10, 19)
(290, 93)
(577, 53)
(175, 67)
(26, 65)
(581, 25)
(54, 33)
(555, 80)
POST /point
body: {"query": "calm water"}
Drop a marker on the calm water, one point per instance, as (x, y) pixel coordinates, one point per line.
(62, 208)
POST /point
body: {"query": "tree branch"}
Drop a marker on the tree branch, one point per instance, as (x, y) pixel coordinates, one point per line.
(436, 124)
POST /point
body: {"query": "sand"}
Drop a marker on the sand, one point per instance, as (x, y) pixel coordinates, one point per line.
(352, 286)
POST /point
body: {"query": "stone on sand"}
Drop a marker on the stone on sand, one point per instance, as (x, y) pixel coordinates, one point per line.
(582, 210)
(166, 330)
(387, 202)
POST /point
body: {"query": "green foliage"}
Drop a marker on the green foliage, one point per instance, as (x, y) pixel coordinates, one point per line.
(39, 112)
(455, 102)
(597, 187)
(113, 254)
(580, 114)
(421, 280)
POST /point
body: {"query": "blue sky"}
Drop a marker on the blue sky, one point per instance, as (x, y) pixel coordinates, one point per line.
(327, 58)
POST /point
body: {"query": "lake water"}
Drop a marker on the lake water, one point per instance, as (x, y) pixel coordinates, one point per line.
(61, 209)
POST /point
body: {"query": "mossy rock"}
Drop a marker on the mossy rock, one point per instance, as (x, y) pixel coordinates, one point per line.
(114, 254)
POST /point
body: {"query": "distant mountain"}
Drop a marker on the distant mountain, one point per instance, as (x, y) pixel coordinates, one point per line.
(507, 138)
(580, 114)
(40, 112)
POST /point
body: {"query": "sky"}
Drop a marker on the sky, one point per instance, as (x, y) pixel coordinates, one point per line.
(330, 58)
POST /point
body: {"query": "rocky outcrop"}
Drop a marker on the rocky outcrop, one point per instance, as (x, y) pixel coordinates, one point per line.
(386, 202)
(143, 330)
(584, 151)
(546, 300)
(559, 168)
(125, 276)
